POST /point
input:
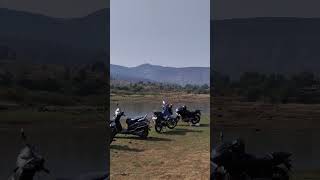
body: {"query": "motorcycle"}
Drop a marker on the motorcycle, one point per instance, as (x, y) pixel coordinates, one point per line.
(230, 161)
(90, 176)
(29, 162)
(136, 126)
(161, 122)
(188, 116)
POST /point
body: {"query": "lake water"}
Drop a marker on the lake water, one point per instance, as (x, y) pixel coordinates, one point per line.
(69, 151)
(133, 109)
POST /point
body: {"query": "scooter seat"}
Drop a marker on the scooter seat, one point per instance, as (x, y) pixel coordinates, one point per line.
(136, 118)
(133, 120)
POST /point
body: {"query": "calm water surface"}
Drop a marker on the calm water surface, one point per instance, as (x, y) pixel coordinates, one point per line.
(133, 109)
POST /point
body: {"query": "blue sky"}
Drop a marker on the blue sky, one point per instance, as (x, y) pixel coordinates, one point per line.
(163, 32)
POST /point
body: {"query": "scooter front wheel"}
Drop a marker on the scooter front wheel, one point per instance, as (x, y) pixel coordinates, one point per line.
(145, 133)
(113, 134)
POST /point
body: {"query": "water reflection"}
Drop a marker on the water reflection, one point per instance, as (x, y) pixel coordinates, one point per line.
(133, 109)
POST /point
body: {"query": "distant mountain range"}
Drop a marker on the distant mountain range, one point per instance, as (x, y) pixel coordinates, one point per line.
(44, 39)
(153, 73)
(282, 45)
(267, 45)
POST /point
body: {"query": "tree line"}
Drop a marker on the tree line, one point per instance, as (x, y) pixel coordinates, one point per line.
(275, 88)
(157, 87)
(53, 84)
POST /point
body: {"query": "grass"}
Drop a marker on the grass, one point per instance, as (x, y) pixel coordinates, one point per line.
(180, 153)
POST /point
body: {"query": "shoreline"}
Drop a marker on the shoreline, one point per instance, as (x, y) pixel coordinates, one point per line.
(174, 97)
(234, 114)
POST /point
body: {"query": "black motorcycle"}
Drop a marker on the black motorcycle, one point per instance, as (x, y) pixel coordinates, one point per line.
(230, 161)
(137, 126)
(188, 116)
(29, 162)
(161, 122)
(89, 176)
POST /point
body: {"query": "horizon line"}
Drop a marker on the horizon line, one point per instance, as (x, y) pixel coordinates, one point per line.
(160, 66)
(262, 17)
(54, 17)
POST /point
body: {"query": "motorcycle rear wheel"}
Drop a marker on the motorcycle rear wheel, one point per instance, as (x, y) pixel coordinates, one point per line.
(195, 120)
(218, 176)
(172, 123)
(280, 174)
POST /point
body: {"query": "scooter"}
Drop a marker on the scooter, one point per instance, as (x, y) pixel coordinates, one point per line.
(29, 162)
(136, 126)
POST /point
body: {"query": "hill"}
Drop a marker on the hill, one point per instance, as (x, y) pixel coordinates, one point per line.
(154, 73)
(43, 39)
(266, 45)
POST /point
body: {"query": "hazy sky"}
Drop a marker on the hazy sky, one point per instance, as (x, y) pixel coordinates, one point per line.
(56, 8)
(226, 9)
(163, 32)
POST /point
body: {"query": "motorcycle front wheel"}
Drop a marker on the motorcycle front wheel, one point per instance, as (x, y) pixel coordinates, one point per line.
(158, 127)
